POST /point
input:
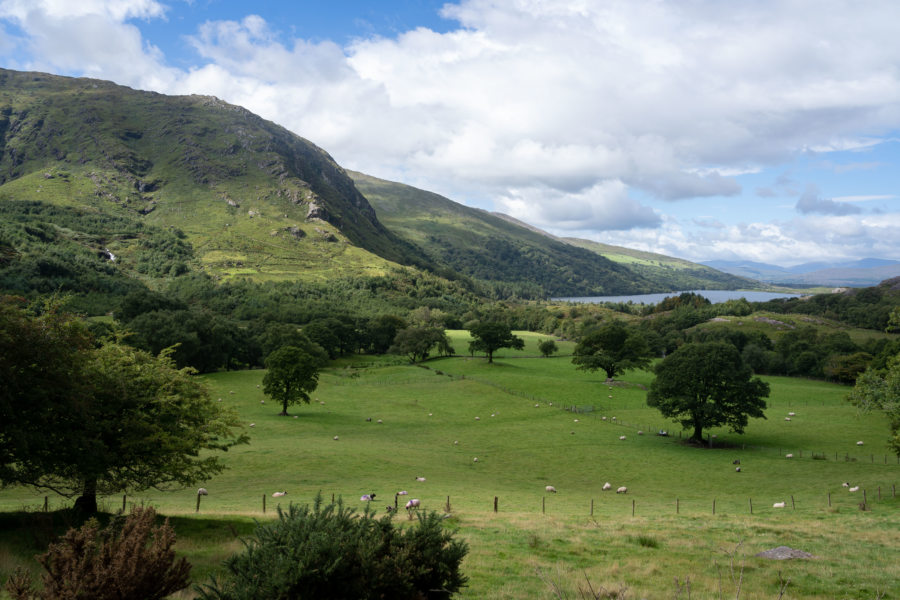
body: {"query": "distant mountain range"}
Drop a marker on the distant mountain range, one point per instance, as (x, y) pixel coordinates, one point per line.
(859, 273)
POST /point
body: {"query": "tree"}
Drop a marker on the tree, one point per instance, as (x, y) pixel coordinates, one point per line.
(488, 337)
(880, 390)
(547, 347)
(704, 385)
(418, 342)
(614, 348)
(83, 421)
(329, 551)
(291, 375)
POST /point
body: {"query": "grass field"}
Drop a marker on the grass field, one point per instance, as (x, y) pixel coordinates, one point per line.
(435, 421)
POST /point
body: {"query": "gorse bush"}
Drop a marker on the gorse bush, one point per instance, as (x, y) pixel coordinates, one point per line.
(130, 558)
(330, 551)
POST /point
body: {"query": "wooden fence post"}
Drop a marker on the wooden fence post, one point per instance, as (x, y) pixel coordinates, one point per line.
(677, 508)
(264, 504)
(495, 503)
(592, 507)
(829, 499)
(543, 505)
(714, 506)
(751, 506)
(46, 503)
(124, 497)
(792, 502)
(196, 510)
(632, 508)
(447, 507)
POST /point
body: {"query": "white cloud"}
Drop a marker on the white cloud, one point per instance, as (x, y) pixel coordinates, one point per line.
(810, 202)
(562, 112)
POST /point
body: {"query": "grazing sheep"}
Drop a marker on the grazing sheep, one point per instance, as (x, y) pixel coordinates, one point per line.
(279, 494)
(262, 401)
(602, 418)
(493, 414)
(380, 421)
(859, 443)
(621, 437)
(787, 418)
(402, 493)
(778, 505)
(736, 461)
(252, 425)
(413, 503)
(296, 417)
(792, 414)
(855, 488)
(475, 459)
(607, 486)
(640, 432)
(845, 484)
(430, 414)
(456, 442)
(537, 405)
(575, 421)
(367, 497)
(477, 418)
(335, 438)
(420, 479)
(368, 419)
(789, 455)
(202, 492)
(550, 489)
(737, 469)
(551, 404)
(622, 490)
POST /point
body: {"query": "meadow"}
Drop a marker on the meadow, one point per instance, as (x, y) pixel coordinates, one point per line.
(375, 425)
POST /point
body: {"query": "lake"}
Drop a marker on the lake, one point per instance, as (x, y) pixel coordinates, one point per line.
(714, 296)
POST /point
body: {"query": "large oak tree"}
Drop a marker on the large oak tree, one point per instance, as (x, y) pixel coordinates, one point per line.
(703, 385)
(613, 348)
(488, 337)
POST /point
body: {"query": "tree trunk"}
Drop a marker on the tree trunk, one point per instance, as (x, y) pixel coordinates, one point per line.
(86, 503)
(490, 357)
(698, 433)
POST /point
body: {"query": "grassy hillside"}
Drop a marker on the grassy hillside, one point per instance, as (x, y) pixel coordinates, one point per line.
(666, 270)
(486, 247)
(523, 442)
(252, 198)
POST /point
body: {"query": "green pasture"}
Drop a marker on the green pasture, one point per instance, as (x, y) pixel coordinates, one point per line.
(436, 419)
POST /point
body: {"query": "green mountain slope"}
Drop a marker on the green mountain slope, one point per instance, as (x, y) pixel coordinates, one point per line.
(488, 248)
(252, 197)
(496, 247)
(663, 270)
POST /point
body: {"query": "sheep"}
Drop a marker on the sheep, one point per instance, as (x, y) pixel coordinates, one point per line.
(413, 503)
(456, 442)
(367, 497)
(622, 490)
(279, 494)
(550, 489)
(789, 455)
(621, 437)
(859, 443)
(335, 438)
(477, 418)
(475, 459)
(262, 401)
(602, 418)
(252, 425)
(792, 414)
(420, 479)
(575, 420)
(607, 486)
(778, 505)
(787, 418)
(380, 421)
(402, 493)
(202, 492)
(537, 405)
(855, 488)
(368, 419)
(845, 484)
(737, 469)
(640, 432)
(736, 461)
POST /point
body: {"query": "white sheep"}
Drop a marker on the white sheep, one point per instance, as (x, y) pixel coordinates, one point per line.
(456, 442)
(607, 486)
(380, 421)
(855, 488)
(621, 437)
(367, 497)
(792, 414)
(550, 489)
(279, 494)
(477, 418)
(790, 455)
(859, 443)
(737, 469)
(202, 492)
(420, 479)
(778, 505)
(252, 425)
(622, 490)
(640, 432)
(413, 503)
(402, 493)
(575, 421)
(845, 484)
(335, 438)
(787, 418)
(475, 459)
(602, 418)
(537, 405)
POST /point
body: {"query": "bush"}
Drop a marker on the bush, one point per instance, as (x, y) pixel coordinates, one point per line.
(130, 558)
(328, 551)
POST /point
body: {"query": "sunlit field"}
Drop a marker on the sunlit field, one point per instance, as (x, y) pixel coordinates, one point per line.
(532, 422)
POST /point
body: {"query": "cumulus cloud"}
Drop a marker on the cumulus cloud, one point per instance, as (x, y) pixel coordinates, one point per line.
(560, 112)
(810, 202)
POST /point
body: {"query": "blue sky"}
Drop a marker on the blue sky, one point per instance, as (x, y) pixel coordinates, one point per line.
(765, 130)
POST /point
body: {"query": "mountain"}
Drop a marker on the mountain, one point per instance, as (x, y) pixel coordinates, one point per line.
(251, 197)
(496, 247)
(860, 273)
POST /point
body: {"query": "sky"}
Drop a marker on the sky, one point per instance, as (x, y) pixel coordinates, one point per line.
(764, 130)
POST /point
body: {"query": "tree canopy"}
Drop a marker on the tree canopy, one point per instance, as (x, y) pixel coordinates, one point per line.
(614, 348)
(292, 374)
(418, 342)
(104, 419)
(880, 390)
(488, 337)
(703, 385)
